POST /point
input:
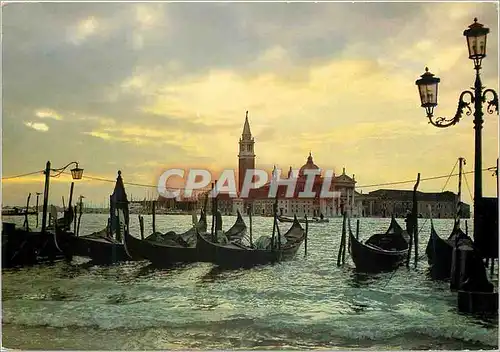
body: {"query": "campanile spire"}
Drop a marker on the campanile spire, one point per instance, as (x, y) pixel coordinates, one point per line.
(246, 156)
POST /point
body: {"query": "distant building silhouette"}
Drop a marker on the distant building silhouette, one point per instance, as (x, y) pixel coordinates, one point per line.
(385, 202)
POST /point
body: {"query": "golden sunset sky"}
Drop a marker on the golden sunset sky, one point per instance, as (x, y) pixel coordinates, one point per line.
(142, 87)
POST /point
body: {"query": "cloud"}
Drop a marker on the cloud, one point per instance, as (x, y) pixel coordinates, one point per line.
(37, 126)
(83, 30)
(169, 84)
(149, 16)
(47, 113)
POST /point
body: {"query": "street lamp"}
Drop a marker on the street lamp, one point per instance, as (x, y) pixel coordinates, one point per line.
(428, 90)
(76, 174)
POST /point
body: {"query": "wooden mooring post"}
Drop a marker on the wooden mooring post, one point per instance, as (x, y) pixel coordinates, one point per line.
(357, 229)
(26, 225)
(414, 215)
(75, 209)
(306, 237)
(412, 226)
(71, 196)
(213, 213)
(250, 220)
(153, 210)
(141, 226)
(274, 233)
(79, 216)
(37, 211)
(342, 241)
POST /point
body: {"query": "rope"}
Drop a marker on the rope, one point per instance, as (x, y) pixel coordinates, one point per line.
(449, 176)
(208, 188)
(413, 181)
(23, 175)
(137, 184)
(468, 188)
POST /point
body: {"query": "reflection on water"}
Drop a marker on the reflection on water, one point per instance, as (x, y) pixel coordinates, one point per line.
(302, 304)
(364, 280)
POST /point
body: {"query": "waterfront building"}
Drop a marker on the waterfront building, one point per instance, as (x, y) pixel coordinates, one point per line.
(315, 205)
(385, 202)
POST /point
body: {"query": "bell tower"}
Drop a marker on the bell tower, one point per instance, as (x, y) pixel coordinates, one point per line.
(246, 156)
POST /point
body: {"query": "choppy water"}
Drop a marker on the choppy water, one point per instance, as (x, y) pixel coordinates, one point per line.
(303, 304)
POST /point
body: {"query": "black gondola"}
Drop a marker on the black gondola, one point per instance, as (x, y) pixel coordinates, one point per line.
(188, 237)
(440, 252)
(282, 218)
(105, 246)
(23, 247)
(17, 212)
(237, 255)
(165, 252)
(395, 238)
(381, 252)
(237, 232)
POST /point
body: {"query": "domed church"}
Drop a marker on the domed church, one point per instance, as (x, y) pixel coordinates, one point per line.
(258, 199)
(316, 205)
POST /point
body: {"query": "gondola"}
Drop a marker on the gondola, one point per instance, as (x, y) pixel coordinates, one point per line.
(440, 252)
(17, 212)
(188, 237)
(282, 218)
(394, 238)
(104, 246)
(238, 255)
(23, 247)
(237, 232)
(165, 252)
(381, 252)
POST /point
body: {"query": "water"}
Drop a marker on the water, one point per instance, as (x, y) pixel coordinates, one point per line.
(308, 303)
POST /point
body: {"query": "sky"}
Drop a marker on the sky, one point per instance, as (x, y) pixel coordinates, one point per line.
(144, 87)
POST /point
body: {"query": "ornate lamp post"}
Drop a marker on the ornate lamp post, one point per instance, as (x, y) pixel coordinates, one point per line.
(76, 174)
(428, 90)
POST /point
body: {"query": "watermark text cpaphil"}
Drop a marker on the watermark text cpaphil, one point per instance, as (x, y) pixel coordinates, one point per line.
(310, 184)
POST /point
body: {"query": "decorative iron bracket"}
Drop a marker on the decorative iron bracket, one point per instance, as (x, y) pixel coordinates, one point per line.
(443, 122)
(493, 103)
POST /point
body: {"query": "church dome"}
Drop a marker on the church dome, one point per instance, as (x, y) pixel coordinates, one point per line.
(309, 165)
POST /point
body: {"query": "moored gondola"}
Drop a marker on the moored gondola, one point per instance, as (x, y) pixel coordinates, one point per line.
(165, 252)
(394, 238)
(440, 252)
(381, 252)
(186, 238)
(105, 246)
(238, 231)
(23, 247)
(282, 218)
(236, 255)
